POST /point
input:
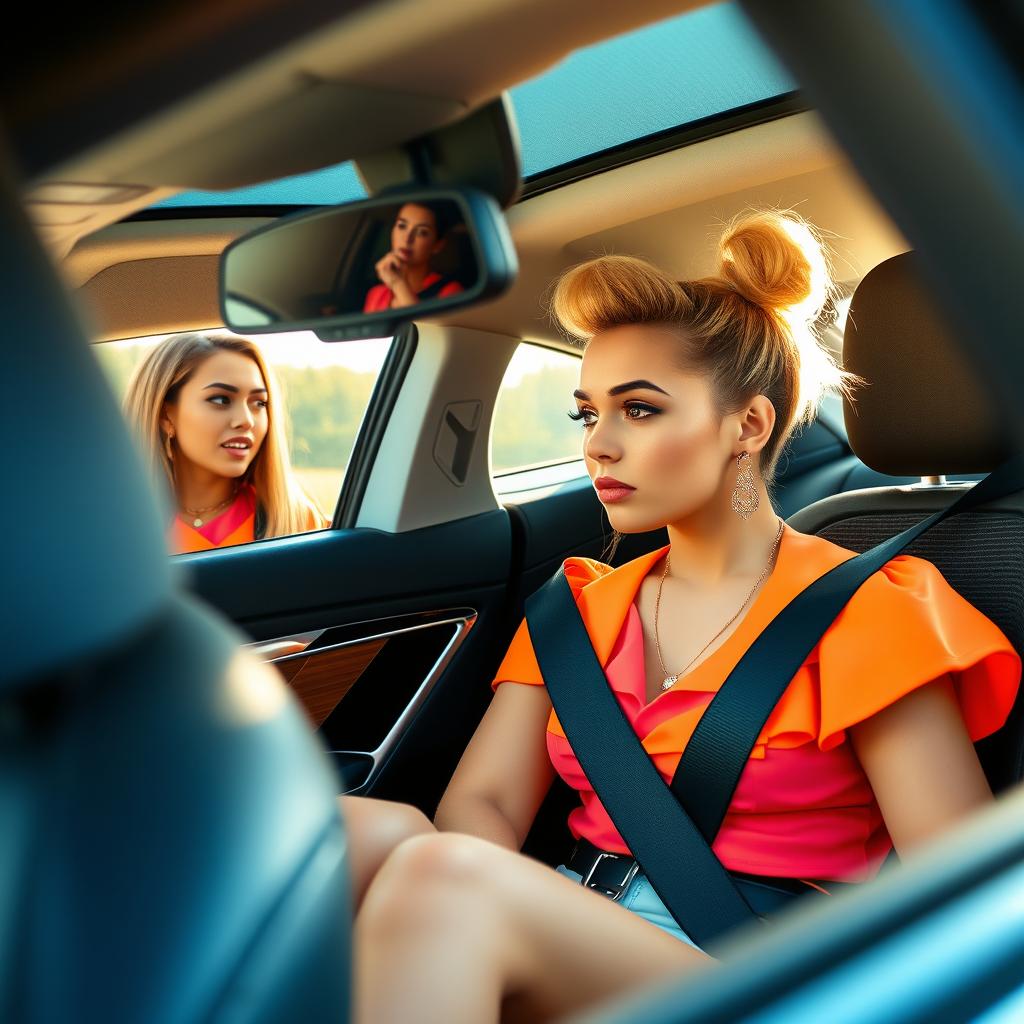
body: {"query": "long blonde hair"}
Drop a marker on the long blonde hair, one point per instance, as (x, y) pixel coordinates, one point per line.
(281, 504)
(749, 329)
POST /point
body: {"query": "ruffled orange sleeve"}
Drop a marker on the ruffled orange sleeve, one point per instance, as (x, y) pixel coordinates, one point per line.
(520, 663)
(905, 627)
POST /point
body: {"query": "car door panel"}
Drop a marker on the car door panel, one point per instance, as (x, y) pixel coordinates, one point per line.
(363, 685)
(388, 640)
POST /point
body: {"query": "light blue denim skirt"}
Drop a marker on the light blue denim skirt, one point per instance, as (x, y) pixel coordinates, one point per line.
(642, 900)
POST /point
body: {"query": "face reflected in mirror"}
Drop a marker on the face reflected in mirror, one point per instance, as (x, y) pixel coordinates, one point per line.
(407, 272)
(415, 236)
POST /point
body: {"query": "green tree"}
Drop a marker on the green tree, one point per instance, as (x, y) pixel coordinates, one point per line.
(531, 422)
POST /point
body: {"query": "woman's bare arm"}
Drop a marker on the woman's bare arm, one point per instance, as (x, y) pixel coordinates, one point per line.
(505, 771)
(921, 765)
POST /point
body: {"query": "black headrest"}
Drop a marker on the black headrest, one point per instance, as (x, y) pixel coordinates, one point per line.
(85, 563)
(923, 411)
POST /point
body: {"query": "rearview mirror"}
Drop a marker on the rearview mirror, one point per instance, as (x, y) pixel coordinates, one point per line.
(361, 269)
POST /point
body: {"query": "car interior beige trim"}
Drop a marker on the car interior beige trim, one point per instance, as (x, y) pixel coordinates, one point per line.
(668, 207)
(672, 207)
(147, 239)
(408, 489)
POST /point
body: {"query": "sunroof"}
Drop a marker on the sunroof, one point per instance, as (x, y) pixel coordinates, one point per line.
(663, 76)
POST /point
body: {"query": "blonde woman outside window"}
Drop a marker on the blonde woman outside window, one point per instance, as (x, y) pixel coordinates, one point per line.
(211, 426)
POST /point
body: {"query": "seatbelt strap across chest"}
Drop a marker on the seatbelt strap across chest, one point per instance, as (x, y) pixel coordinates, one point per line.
(675, 857)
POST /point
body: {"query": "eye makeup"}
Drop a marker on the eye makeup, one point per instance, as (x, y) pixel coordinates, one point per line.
(633, 411)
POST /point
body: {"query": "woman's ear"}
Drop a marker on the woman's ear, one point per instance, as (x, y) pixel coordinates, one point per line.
(166, 421)
(756, 423)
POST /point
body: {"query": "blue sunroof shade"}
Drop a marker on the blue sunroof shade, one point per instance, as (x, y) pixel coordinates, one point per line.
(664, 76)
(331, 185)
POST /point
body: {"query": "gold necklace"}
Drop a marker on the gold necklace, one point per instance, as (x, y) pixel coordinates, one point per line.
(670, 678)
(198, 513)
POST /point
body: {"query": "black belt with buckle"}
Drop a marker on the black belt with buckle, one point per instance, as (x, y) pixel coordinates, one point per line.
(611, 873)
(608, 873)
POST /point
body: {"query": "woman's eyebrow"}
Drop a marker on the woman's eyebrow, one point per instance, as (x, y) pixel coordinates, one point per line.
(233, 389)
(630, 385)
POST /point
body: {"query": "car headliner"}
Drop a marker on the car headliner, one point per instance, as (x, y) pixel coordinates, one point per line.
(668, 206)
(606, 95)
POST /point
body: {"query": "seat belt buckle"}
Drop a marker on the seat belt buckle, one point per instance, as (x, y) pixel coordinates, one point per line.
(610, 876)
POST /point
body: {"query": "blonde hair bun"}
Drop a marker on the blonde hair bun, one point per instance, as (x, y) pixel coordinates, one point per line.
(774, 259)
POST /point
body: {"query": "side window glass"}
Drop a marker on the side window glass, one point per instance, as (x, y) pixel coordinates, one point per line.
(531, 427)
(248, 438)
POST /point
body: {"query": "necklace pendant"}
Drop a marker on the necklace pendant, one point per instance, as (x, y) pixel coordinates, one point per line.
(197, 522)
(669, 682)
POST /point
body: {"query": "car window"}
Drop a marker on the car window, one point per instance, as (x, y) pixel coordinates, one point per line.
(531, 426)
(319, 394)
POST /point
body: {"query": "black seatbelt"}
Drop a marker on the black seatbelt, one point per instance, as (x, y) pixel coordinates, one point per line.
(676, 859)
(432, 291)
(672, 845)
(717, 752)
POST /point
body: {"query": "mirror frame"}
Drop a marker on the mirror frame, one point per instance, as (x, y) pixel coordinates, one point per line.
(492, 247)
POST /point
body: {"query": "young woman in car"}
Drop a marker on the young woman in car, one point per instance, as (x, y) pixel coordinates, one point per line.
(212, 428)
(419, 233)
(688, 393)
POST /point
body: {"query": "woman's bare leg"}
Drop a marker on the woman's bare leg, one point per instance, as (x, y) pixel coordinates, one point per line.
(374, 828)
(454, 929)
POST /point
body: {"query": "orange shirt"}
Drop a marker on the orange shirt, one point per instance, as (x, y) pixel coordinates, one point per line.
(804, 807)
(235, 525)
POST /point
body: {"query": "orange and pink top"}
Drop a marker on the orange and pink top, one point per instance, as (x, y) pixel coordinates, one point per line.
(235, 525)
(380, 295)
(803, 807)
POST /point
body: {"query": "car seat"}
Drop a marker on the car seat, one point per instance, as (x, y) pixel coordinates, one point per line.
(457, 260)
(172, 849)
(923, 413)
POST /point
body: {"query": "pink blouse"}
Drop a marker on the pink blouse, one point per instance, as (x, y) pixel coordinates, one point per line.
(801, 812)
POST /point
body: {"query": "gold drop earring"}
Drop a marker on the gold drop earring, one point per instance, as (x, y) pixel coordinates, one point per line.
(745, 497)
